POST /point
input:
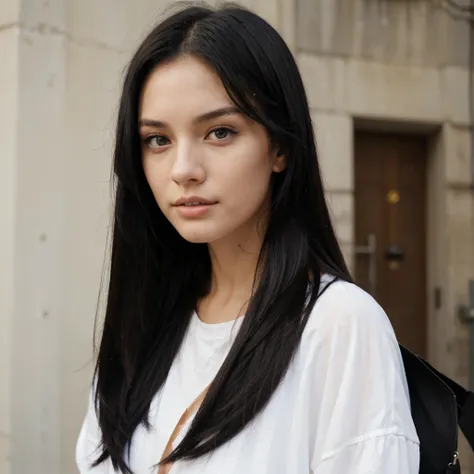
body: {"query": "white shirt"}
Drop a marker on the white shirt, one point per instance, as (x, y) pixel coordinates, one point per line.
(343, 407)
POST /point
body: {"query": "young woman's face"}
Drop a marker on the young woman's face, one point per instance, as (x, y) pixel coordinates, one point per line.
(208, 165)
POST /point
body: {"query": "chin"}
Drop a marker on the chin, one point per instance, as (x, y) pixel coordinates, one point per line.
(195, 238)
(199, 236)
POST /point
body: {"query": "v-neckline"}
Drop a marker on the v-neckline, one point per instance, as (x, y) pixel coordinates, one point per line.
(177, 430)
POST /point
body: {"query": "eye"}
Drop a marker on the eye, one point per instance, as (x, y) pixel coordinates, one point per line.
(156, 141)
(222, 133)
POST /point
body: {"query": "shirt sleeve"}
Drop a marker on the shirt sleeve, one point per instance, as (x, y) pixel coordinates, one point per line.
(359, 394)
(387, 454)
(88, 443)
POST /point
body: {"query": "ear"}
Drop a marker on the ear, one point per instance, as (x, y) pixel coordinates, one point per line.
(279, 163)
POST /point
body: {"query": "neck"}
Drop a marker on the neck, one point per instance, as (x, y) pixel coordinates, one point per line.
(234, 264)
(233, 269)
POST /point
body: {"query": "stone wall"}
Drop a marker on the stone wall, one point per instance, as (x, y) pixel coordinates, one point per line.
(409, 32)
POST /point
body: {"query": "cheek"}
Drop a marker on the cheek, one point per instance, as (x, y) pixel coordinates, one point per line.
(247, 164)
(248, 182)
(154, 177)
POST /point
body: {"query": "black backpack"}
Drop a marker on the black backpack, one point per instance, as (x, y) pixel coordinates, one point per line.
(439, 406)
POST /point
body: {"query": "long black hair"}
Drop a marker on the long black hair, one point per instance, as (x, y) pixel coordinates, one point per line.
(157, 277)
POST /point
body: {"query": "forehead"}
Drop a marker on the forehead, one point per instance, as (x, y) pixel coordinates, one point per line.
(184, 87)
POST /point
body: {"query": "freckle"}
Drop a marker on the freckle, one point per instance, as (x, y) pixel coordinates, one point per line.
(43, 237)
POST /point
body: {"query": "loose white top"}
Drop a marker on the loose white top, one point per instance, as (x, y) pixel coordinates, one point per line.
(342, 407)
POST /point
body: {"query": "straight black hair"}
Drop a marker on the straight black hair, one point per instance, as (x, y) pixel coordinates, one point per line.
(157, 278)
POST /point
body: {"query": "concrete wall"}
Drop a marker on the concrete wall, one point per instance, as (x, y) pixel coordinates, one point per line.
(8, 124)
(392, 60)
(409, 32)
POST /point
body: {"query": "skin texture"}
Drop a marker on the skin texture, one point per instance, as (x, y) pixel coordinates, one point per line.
(227, 160)
(194, 159)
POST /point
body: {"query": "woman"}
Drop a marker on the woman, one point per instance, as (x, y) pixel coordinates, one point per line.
(234, 341)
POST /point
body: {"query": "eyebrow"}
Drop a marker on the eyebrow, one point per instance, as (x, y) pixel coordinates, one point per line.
(213, 114)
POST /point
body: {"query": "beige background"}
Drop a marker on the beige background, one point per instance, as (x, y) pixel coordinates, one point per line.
(402, 63)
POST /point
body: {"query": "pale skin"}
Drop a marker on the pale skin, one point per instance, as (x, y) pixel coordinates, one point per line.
(196, 143)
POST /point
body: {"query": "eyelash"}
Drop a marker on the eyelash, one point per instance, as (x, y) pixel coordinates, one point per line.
(230, 131)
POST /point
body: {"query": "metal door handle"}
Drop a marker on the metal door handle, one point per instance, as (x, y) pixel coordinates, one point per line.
(370, 250)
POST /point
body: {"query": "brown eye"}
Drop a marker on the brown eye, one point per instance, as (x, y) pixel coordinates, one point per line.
(222, 133)
(156, 141)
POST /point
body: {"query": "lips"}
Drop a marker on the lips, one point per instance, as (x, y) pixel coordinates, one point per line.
(193, 201)
(197, 203)
(194, 208)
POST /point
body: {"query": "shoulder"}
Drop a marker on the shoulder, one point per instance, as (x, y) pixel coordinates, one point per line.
(351, 364)
(345, 306)
(89, 440)
(349, 334)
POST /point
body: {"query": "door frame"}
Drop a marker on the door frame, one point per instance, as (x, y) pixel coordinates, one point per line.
(436, 259)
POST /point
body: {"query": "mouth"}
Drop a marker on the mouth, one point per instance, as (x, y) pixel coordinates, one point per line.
(193, 201)
(194, 204)
(194, 209)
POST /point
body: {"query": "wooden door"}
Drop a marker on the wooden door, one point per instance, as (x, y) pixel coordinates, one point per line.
(390, 206)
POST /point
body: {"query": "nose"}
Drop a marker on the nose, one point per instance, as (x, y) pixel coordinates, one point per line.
(187, 167)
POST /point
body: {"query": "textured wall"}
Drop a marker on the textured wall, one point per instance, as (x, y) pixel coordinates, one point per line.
(414, 32)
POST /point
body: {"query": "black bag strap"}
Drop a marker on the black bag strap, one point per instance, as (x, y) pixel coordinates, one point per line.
(465, 403)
